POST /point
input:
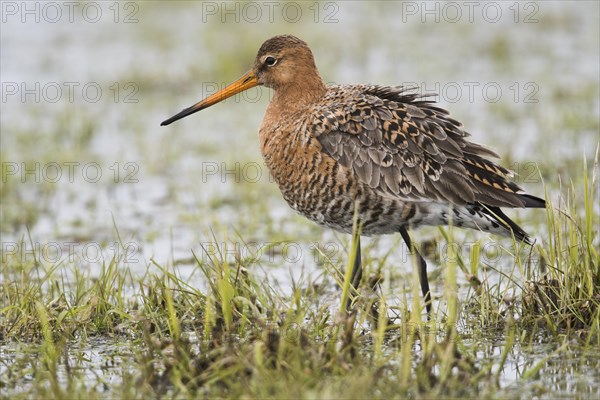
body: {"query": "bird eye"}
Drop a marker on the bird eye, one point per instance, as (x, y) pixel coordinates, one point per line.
(270, 61)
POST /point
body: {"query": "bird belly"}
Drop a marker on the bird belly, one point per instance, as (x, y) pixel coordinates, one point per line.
(324, 191)
(335, 208)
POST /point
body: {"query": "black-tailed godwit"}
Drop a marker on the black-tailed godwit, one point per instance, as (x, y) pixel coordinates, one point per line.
(387, 152)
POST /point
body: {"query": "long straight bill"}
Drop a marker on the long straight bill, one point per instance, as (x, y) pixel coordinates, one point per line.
(245, 82)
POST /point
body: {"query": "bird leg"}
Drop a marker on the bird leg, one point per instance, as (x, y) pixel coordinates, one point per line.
(422, 270)
(356, 275)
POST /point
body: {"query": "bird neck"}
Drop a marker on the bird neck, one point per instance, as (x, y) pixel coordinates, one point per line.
(297, 96)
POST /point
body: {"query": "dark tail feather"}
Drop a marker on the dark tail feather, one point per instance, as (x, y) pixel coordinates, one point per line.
(497, 215)
(532, 201)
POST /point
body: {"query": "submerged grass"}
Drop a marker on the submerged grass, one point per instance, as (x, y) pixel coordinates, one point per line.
(241, 337)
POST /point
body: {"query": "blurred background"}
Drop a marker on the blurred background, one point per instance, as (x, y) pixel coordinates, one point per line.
(88, 173)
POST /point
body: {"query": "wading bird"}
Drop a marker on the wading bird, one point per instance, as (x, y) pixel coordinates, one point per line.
(385, 153)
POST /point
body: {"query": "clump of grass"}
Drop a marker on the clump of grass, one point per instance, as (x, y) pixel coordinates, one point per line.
(35, 294)
(565, 295)
(554, 285)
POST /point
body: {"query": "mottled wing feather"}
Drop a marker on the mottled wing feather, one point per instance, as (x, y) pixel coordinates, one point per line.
(402, 145)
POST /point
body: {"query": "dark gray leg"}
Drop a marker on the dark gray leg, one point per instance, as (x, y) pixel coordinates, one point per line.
(356, 276)
(422, 270)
